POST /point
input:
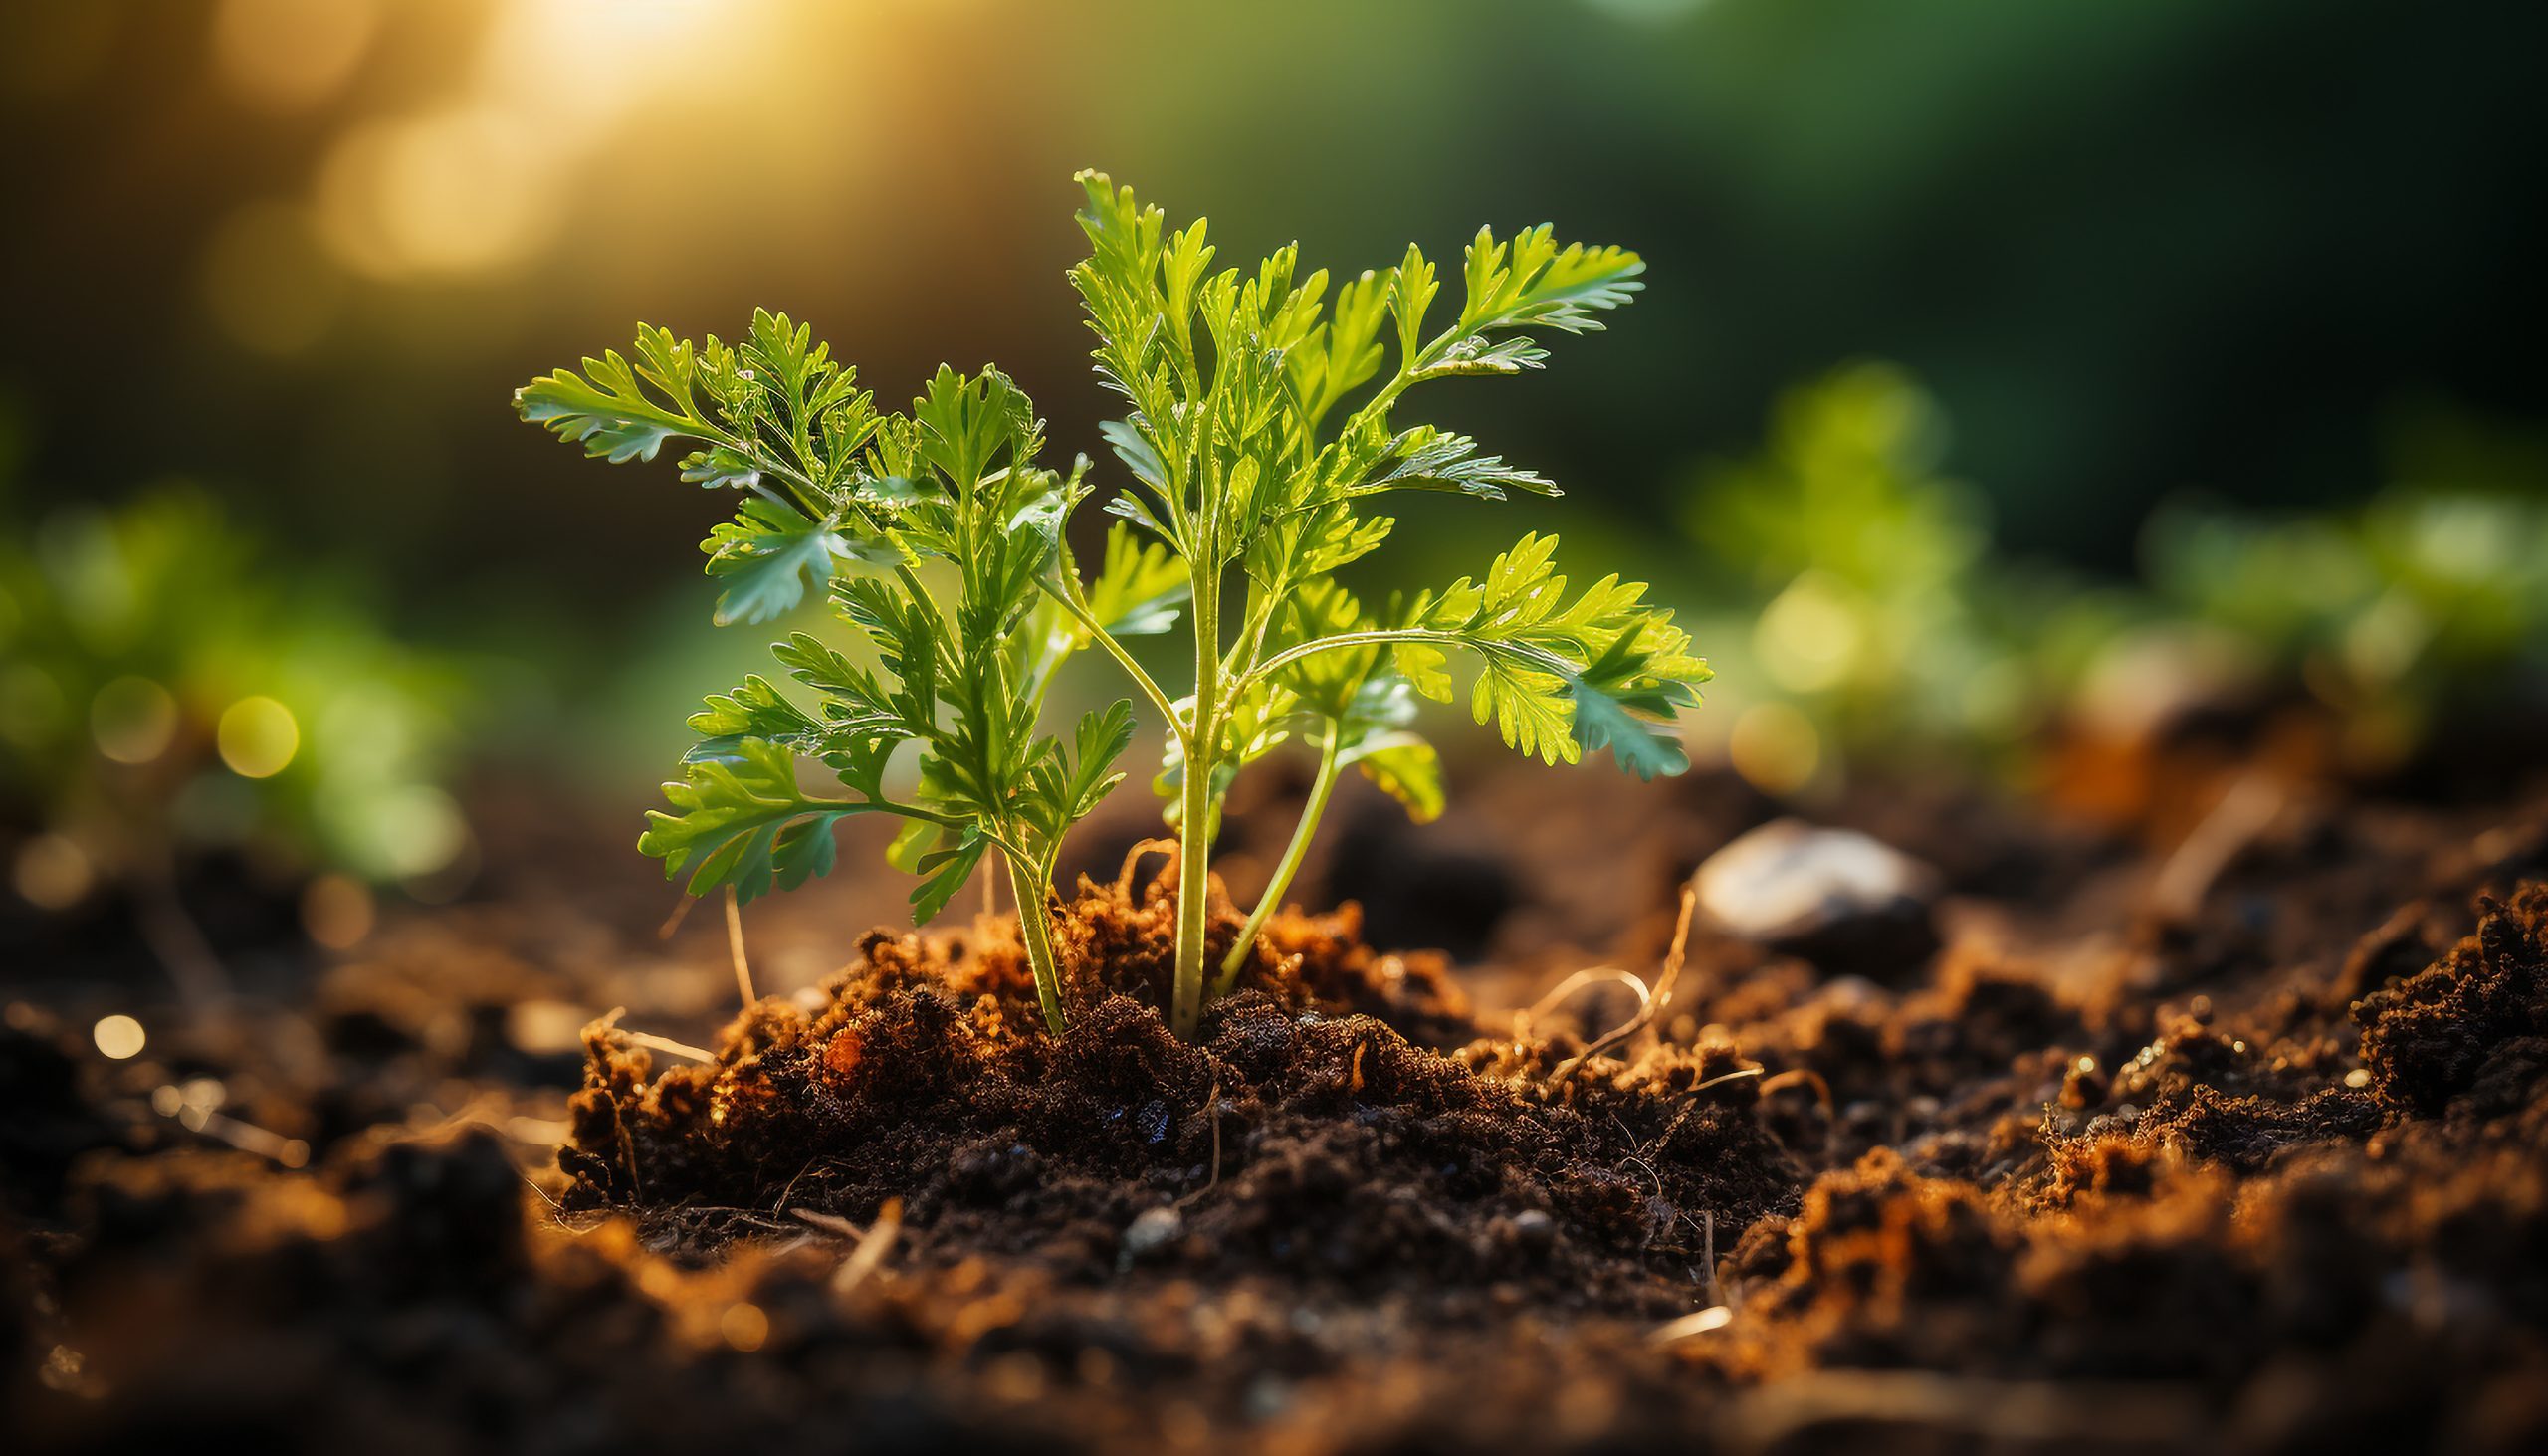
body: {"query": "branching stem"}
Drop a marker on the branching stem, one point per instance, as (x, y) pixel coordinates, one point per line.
(1068, 596)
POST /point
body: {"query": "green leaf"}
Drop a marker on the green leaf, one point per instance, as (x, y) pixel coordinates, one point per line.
(609, 408)
(942, 872)
(753, 710)
(1404, 767)
(1427, 459)
(1426, 668)
(768, 554)
(1638, 746)
(1099, 739)
(1547, 656)
(1139, 588)
(740, 821)
(1530, 708)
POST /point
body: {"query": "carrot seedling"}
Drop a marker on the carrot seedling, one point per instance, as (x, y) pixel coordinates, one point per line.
(1259, 427)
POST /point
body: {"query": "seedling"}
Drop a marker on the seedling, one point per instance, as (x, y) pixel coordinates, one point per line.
(1259, 427)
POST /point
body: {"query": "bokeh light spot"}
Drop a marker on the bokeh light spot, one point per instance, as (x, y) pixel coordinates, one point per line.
(31, 707)
(338, 911)
(1808, 637)
(118, 1037)
(288, 55)
(417, 830)
(52, 873)
(454, 193)
(744, 1327)
(134, 720)
(258, 737)
(1774, 748)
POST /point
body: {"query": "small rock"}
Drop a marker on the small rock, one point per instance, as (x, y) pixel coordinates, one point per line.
(1153, 1230)
(1534, 1231)
(1847, 903)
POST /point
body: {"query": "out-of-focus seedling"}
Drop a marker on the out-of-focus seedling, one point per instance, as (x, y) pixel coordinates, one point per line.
(165, 689)
(2431, 598)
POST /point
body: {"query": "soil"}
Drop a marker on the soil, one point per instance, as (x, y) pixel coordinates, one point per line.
(2179, 1143)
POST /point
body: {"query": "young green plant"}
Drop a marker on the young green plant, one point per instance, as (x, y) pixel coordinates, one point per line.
(1260, 425)
(933, 534)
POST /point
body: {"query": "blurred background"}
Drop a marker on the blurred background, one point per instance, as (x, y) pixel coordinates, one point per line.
(1998, 358)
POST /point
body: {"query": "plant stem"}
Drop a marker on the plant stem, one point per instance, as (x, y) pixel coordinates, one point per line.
(1319, 788)
(1068, 597)
(1194, 825)
(1035, 930)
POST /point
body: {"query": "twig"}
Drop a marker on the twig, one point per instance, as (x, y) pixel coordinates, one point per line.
(666, 1044)
(1714, 1317)
(872, 1248)
(178, 943)
(734, 945)
(2246, 810)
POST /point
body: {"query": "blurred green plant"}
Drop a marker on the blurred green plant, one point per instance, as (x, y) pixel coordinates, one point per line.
(1233, 378)
(1859, 569)
(1884, 626)
(167, 687)
(2426, 599)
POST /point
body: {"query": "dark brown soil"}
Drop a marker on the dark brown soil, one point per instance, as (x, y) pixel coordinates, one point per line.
(2266, 1169)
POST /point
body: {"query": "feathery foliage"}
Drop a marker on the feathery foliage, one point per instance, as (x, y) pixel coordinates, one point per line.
(1260, 423)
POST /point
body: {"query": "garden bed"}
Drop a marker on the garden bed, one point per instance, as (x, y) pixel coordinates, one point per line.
(2114, 1168)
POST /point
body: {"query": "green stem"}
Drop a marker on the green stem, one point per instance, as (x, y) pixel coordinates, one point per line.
(1319, 788)
(1194, 825)
(1035, 928)
(1068, 596)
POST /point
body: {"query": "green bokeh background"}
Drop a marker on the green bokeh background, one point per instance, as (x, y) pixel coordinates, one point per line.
(2133, 248)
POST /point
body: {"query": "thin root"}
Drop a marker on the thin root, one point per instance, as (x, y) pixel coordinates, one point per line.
(831, 1223)
(1651, 1005)
(1582, 980)
(2246, 810)
(1707, 1234)
(1133, 857)
(1212, 1110)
